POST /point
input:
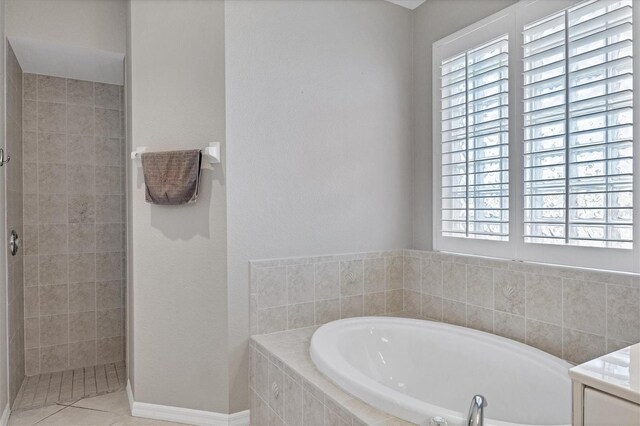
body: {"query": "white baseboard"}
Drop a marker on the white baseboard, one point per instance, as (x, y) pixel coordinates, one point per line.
(4, 420)
(185, 415)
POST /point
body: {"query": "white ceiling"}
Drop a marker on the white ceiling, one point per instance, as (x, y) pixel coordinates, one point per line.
(61, 60)
(409, 4)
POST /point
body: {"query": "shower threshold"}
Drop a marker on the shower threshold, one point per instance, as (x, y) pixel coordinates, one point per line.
(67, 387)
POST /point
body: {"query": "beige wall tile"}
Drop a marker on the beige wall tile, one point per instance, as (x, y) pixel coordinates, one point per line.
(272, 287)
(30, 240)
(54, 299)
(454, 281)
(82, 208)
(30, 271)
(432, 277)
(82, 267)
(31, 302)
(300, 284)
(327, 281)
(271, 320)
(107, 95)
(413, 303)
(81, 179)
(480, 318)
(510, 326)
(327, 311)
(107, 123)
(108, 209)
(300, 315)
(108, 294)
(351, 278)
(393, 272)
(432, 307)
(394, 301)
(374, 275)
(623, 313)
(509, 291)
(80, 120)
(108, 180)
(292, 401)
(30, 206)
(584, 306)
(544, 336)
(30, 115)
(108, 151)
(54, 329)
(31, 333)
(81, 238)
(544, 298)
(313, 409)
(53, 269)
(83, 326)
(30, 86)
(480, 286)
(579, 347)
(80, 92)
(52, 239)
(454, 312)
(32, 361)
(82, 354)
(81, 149)
(52, 148)
(52, 117)
(52, 178)
(109, 238)
(110, 350)
(52, 89)
(30, 178)
(30, 147)
(352, 306)
(412, 273)
(109, 267)
(82, 297)
(51, 209)
(374, 303)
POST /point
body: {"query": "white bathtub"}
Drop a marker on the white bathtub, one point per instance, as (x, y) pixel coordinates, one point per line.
(417, 370)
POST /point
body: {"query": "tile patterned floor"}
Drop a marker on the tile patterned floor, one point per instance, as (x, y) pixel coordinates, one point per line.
(69, 386)
(111, 409)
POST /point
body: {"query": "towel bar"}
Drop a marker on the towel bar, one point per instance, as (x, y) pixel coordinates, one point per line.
(210, 154)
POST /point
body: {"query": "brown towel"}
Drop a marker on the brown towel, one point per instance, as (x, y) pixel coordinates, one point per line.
(172, 177)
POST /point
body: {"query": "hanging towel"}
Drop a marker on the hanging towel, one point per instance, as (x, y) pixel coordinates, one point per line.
(171, 177)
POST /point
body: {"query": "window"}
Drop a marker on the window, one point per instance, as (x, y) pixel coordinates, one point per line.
(475, 125)
(533, 135)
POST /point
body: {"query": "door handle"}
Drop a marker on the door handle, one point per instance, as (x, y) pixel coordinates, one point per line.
(2, 159)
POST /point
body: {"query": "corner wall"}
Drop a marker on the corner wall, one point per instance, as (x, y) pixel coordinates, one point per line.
(319, 101)
(433, 20)
(178, 253)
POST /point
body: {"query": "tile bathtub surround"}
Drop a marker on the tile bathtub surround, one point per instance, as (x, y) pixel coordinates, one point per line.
(73, 180)
(14, 202)
(576, 314)
(287, 389)
(295, 293)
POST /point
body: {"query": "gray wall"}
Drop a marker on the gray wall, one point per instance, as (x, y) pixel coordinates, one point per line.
(319, 138)
(73, 234)
(179, 280)
(432, 21)
(14, 195)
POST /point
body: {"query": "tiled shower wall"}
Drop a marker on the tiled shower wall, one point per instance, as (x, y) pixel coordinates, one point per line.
(576, 314)
(73, 149)
(14, 222)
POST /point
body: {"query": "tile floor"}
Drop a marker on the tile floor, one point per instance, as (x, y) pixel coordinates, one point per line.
(70, 385)
(111, 409)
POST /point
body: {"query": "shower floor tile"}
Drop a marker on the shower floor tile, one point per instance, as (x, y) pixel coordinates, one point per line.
(66, 387)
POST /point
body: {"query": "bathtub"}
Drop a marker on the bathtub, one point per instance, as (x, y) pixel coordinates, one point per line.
(418, 370)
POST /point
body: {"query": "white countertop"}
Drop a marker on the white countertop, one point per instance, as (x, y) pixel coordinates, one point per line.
(617, 373)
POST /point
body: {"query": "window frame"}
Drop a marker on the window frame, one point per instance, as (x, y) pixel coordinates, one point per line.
(511, 21)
